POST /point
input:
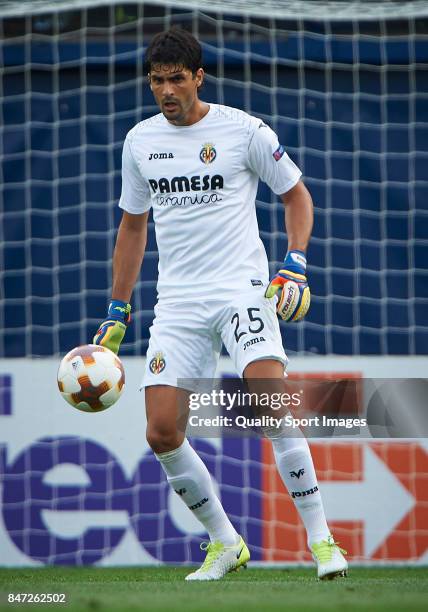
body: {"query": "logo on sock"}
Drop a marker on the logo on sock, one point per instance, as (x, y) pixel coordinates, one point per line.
(298, 473)
(180, 491)
(304, 493)
(199, 504)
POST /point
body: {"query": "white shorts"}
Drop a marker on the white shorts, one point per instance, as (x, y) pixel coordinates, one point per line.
(186, 337)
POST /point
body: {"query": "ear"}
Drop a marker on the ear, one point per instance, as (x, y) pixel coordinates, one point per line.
(200, 77)
(149, 81)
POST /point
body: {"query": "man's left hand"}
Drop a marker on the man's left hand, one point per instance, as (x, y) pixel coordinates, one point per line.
(295, 297)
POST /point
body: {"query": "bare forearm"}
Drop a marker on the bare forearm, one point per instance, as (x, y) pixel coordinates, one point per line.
(127, 259)
(298, 216)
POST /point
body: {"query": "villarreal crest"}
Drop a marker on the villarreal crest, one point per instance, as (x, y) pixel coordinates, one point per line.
(157, 364)
(208, 153)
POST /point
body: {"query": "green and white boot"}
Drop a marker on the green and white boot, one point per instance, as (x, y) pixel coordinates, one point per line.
(220, 560)
(329, 559)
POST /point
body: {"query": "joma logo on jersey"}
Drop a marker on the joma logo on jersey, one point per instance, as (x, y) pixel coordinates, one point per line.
(184, 183)
(207, 153)
(161, 156)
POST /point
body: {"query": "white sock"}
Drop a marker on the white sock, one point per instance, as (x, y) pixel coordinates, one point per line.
(294, 462)
(189, 477)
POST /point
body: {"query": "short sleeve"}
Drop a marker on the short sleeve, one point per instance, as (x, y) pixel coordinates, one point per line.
(268, 159)
(135, 196)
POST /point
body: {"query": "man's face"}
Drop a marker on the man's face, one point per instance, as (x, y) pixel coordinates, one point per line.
(175, 90)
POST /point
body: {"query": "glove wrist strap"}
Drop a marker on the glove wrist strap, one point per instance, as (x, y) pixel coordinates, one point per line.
(295, 261)
(119, 311)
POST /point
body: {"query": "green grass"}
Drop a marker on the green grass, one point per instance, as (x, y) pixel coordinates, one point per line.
(264, 590)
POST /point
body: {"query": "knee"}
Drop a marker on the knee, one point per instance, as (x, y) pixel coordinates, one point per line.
(163, 440)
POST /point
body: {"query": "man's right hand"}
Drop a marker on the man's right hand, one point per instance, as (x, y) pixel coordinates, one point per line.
(112, 330)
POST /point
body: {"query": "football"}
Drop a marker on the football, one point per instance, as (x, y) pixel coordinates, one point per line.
(91, 378)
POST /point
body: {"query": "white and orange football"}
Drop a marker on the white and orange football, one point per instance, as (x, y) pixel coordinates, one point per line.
(91, 378)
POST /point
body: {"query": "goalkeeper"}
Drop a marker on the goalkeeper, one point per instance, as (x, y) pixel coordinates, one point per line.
(197, 165)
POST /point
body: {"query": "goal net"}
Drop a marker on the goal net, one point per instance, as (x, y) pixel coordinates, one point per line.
(344, 85)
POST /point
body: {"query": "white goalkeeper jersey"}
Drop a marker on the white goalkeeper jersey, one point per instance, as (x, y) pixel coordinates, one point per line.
(201, 181)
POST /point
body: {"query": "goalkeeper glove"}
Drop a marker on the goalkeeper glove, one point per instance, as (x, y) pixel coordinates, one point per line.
(112, 330)
(295, 296)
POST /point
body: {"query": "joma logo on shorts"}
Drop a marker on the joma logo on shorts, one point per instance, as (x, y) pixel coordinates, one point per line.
(253, 341)
(161, 156)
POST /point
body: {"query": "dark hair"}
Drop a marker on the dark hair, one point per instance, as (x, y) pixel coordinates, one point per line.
(174, 46)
